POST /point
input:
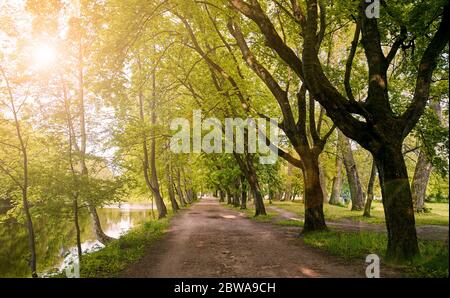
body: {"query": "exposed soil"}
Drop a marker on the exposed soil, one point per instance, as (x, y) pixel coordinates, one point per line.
(209, 240)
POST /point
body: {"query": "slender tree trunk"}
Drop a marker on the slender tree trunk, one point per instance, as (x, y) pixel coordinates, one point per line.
(72, 142)
(270, 195)
(101, 236)
(31, 236)
(424, 168)
(162, 210)
(289, 187)
(314, 217)
(149, 162)
(252, 179)
(323, 183)
(356, 192)
(369, 200)
(244, 199)
(260, 209)
(24, 186)
(77, 227)
(249, 171)
(221, 196)
(397, 202)
(335, 198)
(420, 181)
(236, 198)
(178, 187)
(250, 196)
(170, 191)
(229, 197)
(185, 186)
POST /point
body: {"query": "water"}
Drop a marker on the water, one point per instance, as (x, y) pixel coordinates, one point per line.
(55, 238)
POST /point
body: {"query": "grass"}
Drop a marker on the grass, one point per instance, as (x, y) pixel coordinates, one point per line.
(433, 261)
(439, 214)
(290, 223)
(116, 255)
(250, 212)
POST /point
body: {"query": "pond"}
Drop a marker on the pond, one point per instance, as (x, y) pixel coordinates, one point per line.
(55, 238)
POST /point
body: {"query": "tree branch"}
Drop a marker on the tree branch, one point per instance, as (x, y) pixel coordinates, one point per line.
(272, 37)
(280, 95)
(349, 63)
(427, 65)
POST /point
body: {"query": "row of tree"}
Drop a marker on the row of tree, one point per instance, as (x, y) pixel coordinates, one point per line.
(348, 91)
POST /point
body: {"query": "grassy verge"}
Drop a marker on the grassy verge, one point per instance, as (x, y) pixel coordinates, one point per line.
(118, 254)
(438, 215)
(250, 212)
(350, 245)
(290, 223)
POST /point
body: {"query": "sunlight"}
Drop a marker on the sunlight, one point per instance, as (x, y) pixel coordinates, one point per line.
(44, 55)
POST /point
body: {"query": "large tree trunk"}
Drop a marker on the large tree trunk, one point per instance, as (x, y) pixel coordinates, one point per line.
(335, 198)
(397, 201)
(314, 217)
(356, 192)
(420, 182)
(170, 191)
(369, 200)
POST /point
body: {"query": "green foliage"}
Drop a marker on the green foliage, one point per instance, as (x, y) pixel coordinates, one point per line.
(350, 245)
(124, 44)
(290, 223)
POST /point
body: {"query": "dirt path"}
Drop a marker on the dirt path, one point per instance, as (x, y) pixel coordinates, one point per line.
(424, 232)
(209, 240)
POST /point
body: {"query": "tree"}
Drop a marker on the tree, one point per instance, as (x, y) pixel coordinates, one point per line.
(378, 129)
(335, 198)
(368, 205)
(429, 153)
(356, 192)
(22, 181)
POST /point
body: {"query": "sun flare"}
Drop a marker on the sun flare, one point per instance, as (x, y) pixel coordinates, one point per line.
(44, 55)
